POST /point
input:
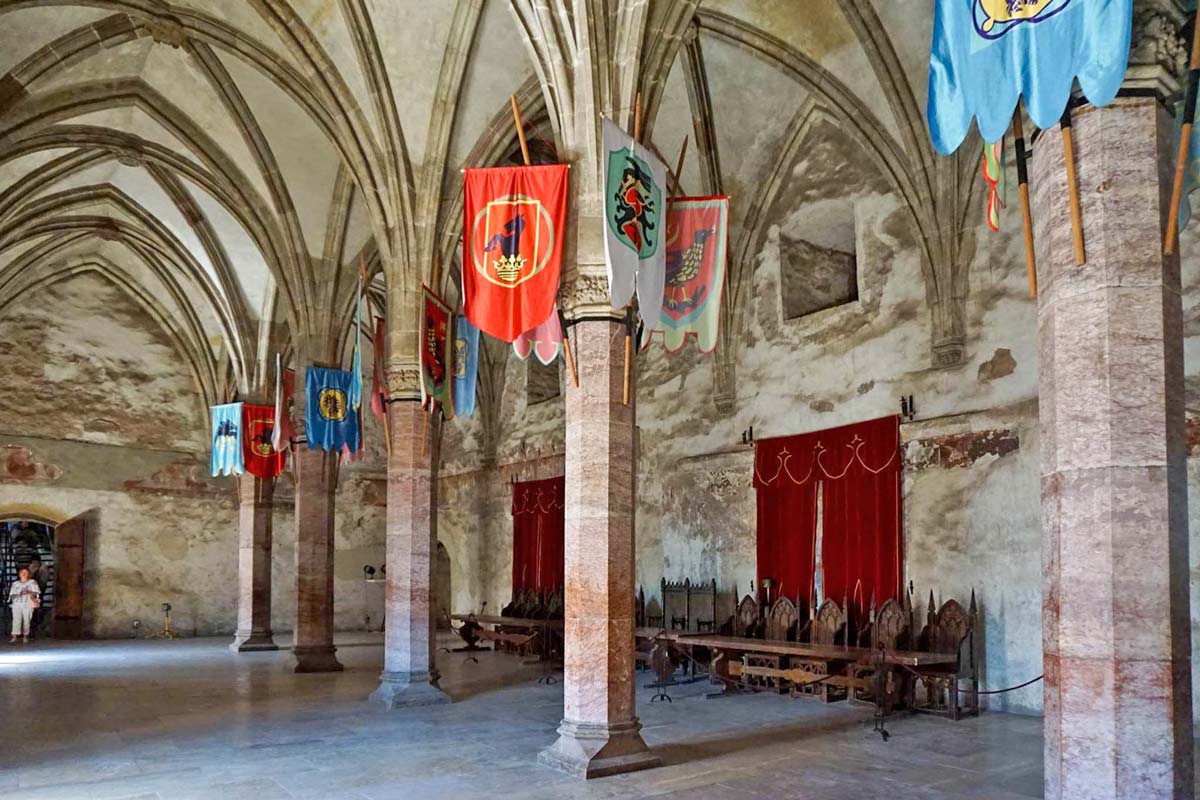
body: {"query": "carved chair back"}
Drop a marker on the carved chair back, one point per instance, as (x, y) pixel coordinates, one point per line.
(828, 623)
(950, 628)
(891, 628)
(702, 606)
(675, 603)
(747, 616)
(782, 621)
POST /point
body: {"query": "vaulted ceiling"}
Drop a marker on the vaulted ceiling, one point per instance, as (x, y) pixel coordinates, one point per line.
(226, 163)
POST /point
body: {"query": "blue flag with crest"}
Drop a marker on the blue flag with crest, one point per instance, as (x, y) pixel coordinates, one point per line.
(466, 366)
(988, 53)
(226, 456)
(330, 422)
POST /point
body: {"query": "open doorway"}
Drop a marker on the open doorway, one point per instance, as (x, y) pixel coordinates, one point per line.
(25, 544)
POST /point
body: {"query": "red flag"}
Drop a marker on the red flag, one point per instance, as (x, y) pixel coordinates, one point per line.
(260, 455)
(514, 221)
(379, 387)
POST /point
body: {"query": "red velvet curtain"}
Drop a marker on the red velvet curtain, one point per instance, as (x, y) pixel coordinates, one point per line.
(857, 470)
(537, 511)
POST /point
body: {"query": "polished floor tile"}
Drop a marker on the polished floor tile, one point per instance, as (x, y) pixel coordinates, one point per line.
(119, 720)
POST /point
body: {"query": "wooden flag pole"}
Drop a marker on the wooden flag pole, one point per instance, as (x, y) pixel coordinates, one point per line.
(1185, 141)
(520, 130)
(1023, 189)
(1072, 187)
(425, 427)
(679, 167)
(628, 352)
(637, 137)
(562, 323)
(637, 118)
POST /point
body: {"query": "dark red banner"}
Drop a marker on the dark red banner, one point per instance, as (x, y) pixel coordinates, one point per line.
(261, 457)
(513, 227)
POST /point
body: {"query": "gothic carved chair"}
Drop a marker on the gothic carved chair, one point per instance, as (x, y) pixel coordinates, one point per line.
(747, 620)
(675, 596)
(702, 606)
(781, 624)
(951, 631)
(783, 620)
(827, 625)
(889, 628)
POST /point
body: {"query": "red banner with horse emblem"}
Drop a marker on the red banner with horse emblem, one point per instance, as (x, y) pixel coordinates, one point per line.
(261, 457)
(436, 354)
(513, 224)
(697, 232)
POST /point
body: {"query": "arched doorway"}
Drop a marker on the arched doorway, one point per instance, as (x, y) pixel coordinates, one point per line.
(28, 544)
(29, 531)
(441, 587)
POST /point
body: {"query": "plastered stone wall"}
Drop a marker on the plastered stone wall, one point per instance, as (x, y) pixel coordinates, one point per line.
(103, 418)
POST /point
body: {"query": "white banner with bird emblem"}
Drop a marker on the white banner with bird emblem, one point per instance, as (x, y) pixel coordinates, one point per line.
(633, 214)
(696, 237)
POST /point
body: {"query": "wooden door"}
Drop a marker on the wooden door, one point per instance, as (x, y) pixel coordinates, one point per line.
(68, 579)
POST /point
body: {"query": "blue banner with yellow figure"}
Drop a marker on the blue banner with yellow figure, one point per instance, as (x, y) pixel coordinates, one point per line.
(226, 456)
(987, 53)
(466, 365)
(330, 422)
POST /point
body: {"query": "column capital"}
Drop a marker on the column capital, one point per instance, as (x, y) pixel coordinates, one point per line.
(403, 380)
(585, 294)
(1158, 54)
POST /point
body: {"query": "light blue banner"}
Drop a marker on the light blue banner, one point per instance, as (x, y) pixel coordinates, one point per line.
(466, 366)
(227, 440)
(987, 53)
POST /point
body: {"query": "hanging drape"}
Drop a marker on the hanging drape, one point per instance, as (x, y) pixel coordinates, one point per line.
(537, 511)
(856, 469)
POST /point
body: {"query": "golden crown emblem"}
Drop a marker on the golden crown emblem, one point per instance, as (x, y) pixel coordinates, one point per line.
(508, 268)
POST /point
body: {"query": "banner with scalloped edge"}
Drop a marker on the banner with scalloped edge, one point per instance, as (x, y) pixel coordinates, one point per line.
(988, 53)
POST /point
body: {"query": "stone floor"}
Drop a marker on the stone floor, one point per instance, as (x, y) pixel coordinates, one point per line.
(188, 719)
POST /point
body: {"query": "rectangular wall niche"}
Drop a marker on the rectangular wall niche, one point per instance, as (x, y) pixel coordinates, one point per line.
(813, 277)
(541, 382)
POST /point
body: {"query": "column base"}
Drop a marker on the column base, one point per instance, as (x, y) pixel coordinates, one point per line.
(253, 642)
(408, 690)
(590, 750)
(320, 658)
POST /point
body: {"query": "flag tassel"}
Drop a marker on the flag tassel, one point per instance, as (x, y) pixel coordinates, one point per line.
(1185, 141)
(1072, 187)
(1023, 190)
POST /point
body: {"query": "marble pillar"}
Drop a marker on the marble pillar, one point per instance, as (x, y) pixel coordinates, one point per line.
(316, 480)
(254, 565)
(409, 675)
(1115, 619)
(600, 733)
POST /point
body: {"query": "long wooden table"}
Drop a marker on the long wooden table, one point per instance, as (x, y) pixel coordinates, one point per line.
(729, 652)
(472, 630)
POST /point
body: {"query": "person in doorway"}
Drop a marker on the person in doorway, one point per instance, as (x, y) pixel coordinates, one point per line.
(25, 596)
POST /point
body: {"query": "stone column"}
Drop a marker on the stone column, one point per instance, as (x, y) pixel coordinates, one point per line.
(316, 480)
(600, 733)
(254, 565)
(1115, 618)
(409, 675)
